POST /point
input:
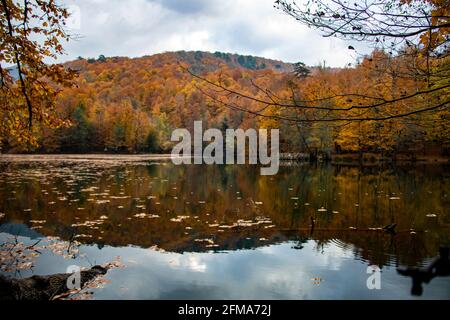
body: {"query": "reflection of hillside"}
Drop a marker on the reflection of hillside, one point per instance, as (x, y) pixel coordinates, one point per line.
(199, 208)
(19, 230)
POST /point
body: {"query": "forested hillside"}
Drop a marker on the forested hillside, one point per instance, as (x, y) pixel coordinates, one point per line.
(132, 105)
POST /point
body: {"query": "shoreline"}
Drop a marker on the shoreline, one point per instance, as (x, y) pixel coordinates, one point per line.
(82, 157)
(99, 157)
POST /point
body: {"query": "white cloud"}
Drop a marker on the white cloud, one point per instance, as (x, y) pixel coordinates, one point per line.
(138, 27)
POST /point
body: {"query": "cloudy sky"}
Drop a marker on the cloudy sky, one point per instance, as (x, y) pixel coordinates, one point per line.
(140, 27)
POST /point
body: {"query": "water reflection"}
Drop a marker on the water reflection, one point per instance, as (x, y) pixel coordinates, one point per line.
(192, 211)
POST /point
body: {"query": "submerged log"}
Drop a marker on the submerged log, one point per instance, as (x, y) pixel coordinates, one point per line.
(44, 287)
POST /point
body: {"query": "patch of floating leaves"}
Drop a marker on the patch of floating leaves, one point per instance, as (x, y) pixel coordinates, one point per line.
(91, 224)
(144, 215)
(248, 223)
(179, 218)
(210, 242)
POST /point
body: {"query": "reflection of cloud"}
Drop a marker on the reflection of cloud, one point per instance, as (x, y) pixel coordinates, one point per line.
(195, 265)
(186, 6)
(139, 27)
(187, 261)
(243, 274)
(334, 256)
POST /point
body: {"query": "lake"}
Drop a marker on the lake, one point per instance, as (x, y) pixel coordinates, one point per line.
(226, 232)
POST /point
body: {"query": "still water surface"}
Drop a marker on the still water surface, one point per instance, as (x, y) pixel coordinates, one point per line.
(220, 232)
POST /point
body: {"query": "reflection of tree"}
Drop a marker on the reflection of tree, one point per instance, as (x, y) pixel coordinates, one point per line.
(439, 267)
(169, 192)
(300, 243)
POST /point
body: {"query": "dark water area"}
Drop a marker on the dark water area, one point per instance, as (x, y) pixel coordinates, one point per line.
(226, 232)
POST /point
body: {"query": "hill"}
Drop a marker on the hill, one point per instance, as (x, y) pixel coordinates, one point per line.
(125, 104)
(201, 61)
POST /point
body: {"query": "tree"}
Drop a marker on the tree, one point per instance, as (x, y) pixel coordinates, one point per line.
(101, 58)
(31, 32)
(78, 137)
(152, 143)
(300, 70)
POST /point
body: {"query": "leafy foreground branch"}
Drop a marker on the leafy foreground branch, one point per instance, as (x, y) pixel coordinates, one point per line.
(227, 97)
(16, 256)
(32, 32)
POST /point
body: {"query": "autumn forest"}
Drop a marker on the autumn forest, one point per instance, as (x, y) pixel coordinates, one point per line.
(91, 95)
(132, 105)
(392, 101)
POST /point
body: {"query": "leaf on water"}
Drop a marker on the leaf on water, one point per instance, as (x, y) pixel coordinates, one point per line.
(91, 189)
(262, 220)
(322, 209)
(143, 215)
(394, 198)
(156, 248)
(89, 224)
(209, 241)
(227, 226)
(179, 218)
(83, 236)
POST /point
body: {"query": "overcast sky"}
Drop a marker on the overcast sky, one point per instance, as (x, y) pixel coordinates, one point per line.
(141, 27)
